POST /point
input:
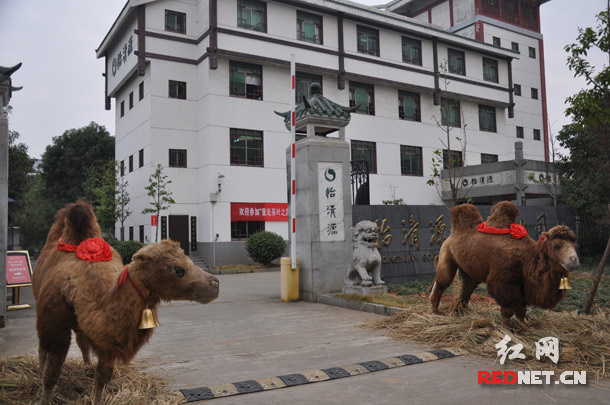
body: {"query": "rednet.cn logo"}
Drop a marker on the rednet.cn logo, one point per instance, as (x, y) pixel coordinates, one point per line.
(547, 346)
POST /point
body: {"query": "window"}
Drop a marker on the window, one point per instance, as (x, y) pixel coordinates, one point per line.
(517, 88)
(142, 233)
(534, 93)
(130, 163)
(141, 90)
(177, 158)
(411, 161)
(457, 62)
(246, 147)
(532, 52)
(411, 51)
(529, 15)
(363, 96)
(175, 21)
(514, 46)
(309, 27)
(177, 89)
(241, 230)
(408, 106)
(520, 132)
(122, 108)
(490, 70)
(510, 11)
(131, 100)
(245, 80)
(491, 7)
(497, 42)
(252, 15)
(487, 158)
(536, 134)
(452, 160)
(303, 85)
(122, 168)
(487, 118)
(366, 151)
(368, 40)
(450, 113)
(141, 158)
(131, 233)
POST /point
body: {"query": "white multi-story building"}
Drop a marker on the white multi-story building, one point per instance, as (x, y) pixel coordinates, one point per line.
(196, 84)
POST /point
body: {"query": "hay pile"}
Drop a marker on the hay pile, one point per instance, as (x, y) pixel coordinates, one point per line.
(20, 383)
(584, 340)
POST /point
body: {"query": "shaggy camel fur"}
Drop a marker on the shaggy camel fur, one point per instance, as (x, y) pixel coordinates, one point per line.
(72, 294)
(518, 272)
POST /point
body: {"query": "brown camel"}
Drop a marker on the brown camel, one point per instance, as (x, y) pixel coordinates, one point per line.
(103, 301)
(518, 271)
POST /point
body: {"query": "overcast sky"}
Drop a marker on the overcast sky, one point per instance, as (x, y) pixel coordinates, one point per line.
(62, 81)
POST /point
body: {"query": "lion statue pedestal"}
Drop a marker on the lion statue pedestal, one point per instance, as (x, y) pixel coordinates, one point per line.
(364, 273)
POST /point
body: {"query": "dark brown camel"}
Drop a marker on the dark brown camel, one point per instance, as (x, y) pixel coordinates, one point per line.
(518, 271)
(73, 294)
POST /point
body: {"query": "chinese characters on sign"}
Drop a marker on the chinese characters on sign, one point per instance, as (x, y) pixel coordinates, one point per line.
(121, 57)
(18, 270)
(330, 199)
(547, 346)
(277, 212)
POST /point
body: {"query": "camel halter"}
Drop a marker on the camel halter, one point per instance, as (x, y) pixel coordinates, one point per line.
(149, 319)
(516, 231)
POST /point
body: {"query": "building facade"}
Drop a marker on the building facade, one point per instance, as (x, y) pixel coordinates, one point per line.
(196, 84)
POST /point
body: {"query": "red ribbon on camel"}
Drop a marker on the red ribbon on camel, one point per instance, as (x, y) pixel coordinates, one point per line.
(90, 250)
(516, 231)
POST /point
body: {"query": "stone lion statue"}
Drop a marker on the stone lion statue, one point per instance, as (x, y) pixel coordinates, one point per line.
(365, 269)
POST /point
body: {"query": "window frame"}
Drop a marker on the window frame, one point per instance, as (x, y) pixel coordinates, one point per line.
(122, 108)
(251, 5)
(534, 93)
(306, 17)
(354, 88)
(130, 163)
(520, 132)
(458, 161)
(517, 89)
(131, 100)
(176, 89)
(179, 16)
(448, 105)
(141, 233)
(256, 158)
(261, 228)
(409, 150)
(401, 107)
(407, 57)
(532, 52)
(536, 134)
(141, 158)
(515, 46)
(251, 70)
(491, 66)
(488, 158)
(360, 148)
(457, 56)
(371, 34)
(496, 41)
(489, 112)
(309, 79)
(141, 91)
(178, 158)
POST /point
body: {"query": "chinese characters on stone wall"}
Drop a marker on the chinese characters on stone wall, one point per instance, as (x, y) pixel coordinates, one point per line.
(121, 57)
(330, 199)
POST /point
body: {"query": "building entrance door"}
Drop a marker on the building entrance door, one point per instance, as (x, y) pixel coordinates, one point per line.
(179, 230)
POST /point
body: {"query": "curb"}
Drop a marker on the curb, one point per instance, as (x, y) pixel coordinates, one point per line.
(243, 271)
(358, 305)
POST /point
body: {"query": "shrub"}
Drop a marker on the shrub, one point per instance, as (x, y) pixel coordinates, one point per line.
(126, 249)
(264, 247)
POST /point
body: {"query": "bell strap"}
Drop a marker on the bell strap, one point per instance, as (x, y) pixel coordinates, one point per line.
(123, 279)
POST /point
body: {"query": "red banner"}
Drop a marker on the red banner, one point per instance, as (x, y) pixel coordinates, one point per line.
(153, 220)
(17, 268)
(259, 212)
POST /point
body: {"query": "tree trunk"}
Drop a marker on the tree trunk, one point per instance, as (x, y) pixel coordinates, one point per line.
(600, 270)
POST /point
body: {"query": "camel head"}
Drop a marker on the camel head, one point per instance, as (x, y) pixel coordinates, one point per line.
(366, 231)
(559, 245)
(170, 275)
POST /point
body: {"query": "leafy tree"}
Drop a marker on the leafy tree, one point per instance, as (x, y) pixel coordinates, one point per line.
(36, 216)
(67, 161)
(19, 167)
(161, 196)
(103, 199)
(122, 203)
(586, 170)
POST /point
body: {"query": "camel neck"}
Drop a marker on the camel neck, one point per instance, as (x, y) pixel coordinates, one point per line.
(125, 277)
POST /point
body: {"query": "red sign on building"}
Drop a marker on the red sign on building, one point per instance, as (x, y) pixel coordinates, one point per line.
(259, 212)
(153, 220)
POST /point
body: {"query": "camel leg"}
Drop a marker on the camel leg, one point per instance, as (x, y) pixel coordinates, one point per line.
(102, 377)
(445, 273)
(468, 287)
(506, 314)
(42, 358)
(54, 361)
(85, 347)
(520, 312)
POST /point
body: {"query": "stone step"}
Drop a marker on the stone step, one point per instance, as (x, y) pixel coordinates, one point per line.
(199, 262)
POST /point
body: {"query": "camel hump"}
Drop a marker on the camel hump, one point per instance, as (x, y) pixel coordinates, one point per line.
(503, 214)
(80, 223)
(465, 217)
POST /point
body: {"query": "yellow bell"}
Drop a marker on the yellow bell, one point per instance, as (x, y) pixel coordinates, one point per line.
(564, 284)
(149, 320)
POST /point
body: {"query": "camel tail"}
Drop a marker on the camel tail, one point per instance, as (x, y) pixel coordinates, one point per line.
(465, 217)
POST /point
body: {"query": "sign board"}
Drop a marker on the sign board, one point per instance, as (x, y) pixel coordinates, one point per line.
(330, 201)
(501, 178)
(18, 269)
(277, 212)
(121, 60)
(153, 220)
